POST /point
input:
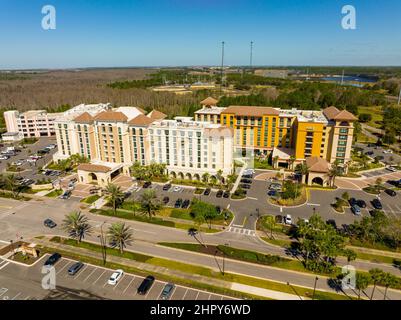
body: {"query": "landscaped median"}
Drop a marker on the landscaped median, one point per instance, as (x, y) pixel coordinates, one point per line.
(181, 273)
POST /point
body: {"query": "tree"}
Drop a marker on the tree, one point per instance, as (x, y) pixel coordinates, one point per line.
(149, 203)
(199, 221)
(119, 235)
(219, 176)
(205, 177)
(275, 161)
(115, 196)
(302, 169)
(388, 280)
(11, 183)
(345, 196)
(270, 223)
(291, 162)
(334, 172)
(362, 282)
(365, 117)
(205, 210)
(376, 275)
(349, 254)
(76, 225)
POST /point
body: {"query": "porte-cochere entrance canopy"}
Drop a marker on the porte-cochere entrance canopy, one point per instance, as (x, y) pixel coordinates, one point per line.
(100, 174)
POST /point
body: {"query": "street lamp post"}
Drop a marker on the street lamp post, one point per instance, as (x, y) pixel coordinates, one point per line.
(224, 257)
(314, 288)
(102, 243)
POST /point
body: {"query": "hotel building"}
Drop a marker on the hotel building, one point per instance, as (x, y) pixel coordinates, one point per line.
(113, 139)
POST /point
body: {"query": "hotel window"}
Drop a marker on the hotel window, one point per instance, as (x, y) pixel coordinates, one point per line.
(340, 154)
(343, 137)
(245, 121)
(344, 131)
(252, 121)
(238, 120)
(342, 143)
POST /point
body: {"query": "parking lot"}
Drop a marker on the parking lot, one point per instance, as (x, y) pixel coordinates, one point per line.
(90, 278)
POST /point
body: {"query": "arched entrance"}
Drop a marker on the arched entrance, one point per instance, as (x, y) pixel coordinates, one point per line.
(317, 180)
(92, 177)
(196, 177)
(180, 176)
(188, 176)
(173, 174)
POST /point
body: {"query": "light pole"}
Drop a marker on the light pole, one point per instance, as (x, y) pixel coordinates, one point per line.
(224, 257)
(102, 243)
(314, 288)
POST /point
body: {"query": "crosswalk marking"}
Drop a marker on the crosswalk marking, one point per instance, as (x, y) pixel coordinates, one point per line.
(243, 231)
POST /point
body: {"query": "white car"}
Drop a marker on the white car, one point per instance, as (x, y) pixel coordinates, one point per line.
(4, 157)
(288, 219)
(177, 189)
(388, 151)
(115, 277)
(392, 169)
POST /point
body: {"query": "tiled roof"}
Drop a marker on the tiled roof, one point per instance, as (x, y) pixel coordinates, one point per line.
(251, 111)
(141, 120)
(332, 113)
(317, 164)
(111, 116)
(93, 167)
(156, 115)
(209, 101)
(84, 117)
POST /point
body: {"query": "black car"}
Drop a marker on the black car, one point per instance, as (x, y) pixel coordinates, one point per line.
(178, 203)
(66, 195)
(369, 153)
(127, 194)
(361, 203)
(166, 187)
(75, 268)
(272, 193)
(246, 181)
(352, 202)
(53, 259)
(219, 193)
(185, 204)
(226, 194)
(147, 184)
(246, 176)
(207, 191)
(390, 192)
(146, 285)
(245, 186)
(377, 204)
(49, 223)
(166, 200)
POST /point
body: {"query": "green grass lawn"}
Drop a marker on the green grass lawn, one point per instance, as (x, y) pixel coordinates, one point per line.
(377, 115)
(91, 199)
(54, 193)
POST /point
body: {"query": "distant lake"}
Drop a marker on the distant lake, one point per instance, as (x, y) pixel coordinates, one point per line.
(352, 79)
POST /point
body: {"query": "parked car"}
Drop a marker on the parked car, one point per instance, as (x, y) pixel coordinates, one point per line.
(74, 180)
(94, 190)
(246, 181)
(390, 192)
(75, 268)
(219, 193)
(352, 202)
(288, 219)
(369, 153)
(177, 189)
(185, 204)
(272, 193)
(246, 176)
(207, 191)
(388, 151)
(245, 186)
(166, 187)
(361, 203)
(3, 157)
(392, 169)
(51, 261)
(115, 277)
(166, 200)
(356, 210)
(275, 186)
(226, 194)
(167, 291)
(146, 285)
(50, 223)
(377, 204)
(147, 184)
(178, 203)
(66, 194)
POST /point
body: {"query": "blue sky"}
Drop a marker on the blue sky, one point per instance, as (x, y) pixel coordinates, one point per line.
(103, 33)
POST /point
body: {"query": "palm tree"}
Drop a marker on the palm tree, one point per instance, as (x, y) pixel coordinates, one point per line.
(119, 235)
(362, 282)
(275, 161)
(11, 183)
(205, 177)
(334, 172)
(291, 162)
(376, 275)
(270, 222)
(149, 203)
(199, 221)
(115, 195)
(388, 280)
(219, 175)
(76, 225)
(302, 169)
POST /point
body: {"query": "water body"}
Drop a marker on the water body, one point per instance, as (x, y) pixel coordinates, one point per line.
(358, 81)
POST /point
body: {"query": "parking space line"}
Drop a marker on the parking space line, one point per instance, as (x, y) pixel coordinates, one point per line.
(133, 278)
(147, 293)
(197, 295)
(99, 277)
(27, 297)
(3, 291)
(17, 295)
(119, 281)
(63, 267)
(208, 298)
(160, 293)
(4, 265)
(94, 269)
(81, 272)
(185, 294)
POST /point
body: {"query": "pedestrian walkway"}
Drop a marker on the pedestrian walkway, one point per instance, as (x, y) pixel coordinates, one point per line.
(243, 231)
(276, 295)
